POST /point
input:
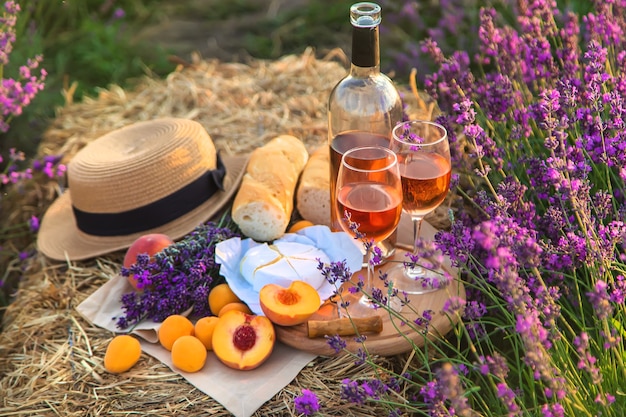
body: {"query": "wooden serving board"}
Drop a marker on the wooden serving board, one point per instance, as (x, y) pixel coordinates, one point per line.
(396, 336)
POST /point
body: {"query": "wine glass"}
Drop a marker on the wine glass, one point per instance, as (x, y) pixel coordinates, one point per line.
(369, 206)
(423, 155)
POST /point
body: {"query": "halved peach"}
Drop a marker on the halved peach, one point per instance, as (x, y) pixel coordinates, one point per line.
(243, 341)
(289, 306)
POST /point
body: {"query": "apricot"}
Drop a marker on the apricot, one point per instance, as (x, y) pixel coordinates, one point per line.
(243, 341)
(235, 306)
(172, 328)
(122, 353)
(289, 306)
(203, 330)
(299, 225)
(221, 295)
(188, 354)
(149, 244)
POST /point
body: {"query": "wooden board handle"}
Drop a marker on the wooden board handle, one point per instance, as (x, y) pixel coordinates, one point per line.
(345, 326)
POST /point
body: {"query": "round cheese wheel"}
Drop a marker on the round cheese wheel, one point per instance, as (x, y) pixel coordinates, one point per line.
(281, 263)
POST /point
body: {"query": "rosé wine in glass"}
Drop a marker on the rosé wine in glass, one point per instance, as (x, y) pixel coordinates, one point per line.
(369, 206)
(423, 155)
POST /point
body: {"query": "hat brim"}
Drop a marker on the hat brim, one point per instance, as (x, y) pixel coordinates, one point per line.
(60, 238)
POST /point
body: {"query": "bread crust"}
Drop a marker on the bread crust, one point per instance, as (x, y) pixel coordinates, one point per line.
(313, 195)
(265, 201)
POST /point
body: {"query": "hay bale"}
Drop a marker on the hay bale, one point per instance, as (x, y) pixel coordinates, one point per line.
(241, 106)
(51, 359)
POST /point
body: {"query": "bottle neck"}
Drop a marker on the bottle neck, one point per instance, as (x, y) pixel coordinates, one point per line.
(365, 48)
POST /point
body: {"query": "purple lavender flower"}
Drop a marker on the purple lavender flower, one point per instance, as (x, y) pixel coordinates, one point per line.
(587, 361)
(603, 25)
(307, 403)
(34, 223)
(453, 76)
(353, 392)
(569, 53)
(118, 13)
(422, 322)
(507, 397)
(335, 272)
(552, 410)
(179, 278)
(495, 364)
(336, 343)
(600, 300)
(454, 305)
(444, 395)
(618, 294)
(15, 94)
(499, 96)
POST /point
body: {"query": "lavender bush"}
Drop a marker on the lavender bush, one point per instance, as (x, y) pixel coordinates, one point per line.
(15, 94)
(539, 139)
(17, 173)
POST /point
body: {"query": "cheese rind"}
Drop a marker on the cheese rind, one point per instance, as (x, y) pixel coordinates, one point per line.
(281, 263)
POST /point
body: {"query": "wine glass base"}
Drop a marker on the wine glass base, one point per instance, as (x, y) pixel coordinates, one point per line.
(416, 280)
(358, 305)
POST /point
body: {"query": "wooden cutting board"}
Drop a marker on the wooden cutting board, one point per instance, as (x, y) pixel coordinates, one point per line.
(396, 337)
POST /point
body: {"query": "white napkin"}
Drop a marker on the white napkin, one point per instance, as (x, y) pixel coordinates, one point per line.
(240, 392)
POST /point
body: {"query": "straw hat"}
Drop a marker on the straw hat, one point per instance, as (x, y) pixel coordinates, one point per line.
(159, 176)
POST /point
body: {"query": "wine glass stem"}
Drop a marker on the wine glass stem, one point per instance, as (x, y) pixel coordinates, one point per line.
(417, 229)
(370, 269)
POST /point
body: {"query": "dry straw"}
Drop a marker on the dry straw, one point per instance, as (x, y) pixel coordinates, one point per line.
(51, 359)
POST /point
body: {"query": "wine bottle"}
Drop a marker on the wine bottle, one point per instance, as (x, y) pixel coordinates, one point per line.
(365, 105)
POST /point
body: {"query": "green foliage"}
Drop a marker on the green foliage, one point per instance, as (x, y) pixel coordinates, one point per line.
(54, 18)
(217, 10)
(320, 24)
(82, 42)
(101, 55)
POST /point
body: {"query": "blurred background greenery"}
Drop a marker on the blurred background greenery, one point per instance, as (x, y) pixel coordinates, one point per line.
(90, 44)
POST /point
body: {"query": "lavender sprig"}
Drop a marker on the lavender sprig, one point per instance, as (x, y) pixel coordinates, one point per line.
(179, 278)
(16, 94)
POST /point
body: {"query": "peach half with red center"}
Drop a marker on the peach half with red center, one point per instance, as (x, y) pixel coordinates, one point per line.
(243, 341)
(289, 306)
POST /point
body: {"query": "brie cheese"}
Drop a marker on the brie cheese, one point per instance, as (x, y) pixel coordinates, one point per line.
(281, 263)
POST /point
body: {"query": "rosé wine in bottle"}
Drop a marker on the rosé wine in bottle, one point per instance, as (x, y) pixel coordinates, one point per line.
(365, 105)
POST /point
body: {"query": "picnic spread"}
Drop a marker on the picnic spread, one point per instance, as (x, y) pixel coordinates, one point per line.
(233, 125)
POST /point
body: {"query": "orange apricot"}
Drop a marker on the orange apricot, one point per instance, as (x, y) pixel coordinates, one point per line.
(221, 295)
(189, 354)
(172, 328)
(299, 225)
(122, 353)
(289, 306)
(243, 341)
(203, 330)
(239, 306)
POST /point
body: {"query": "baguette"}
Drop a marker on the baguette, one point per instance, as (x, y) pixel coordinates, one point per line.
(313, 195)
(263, 205)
